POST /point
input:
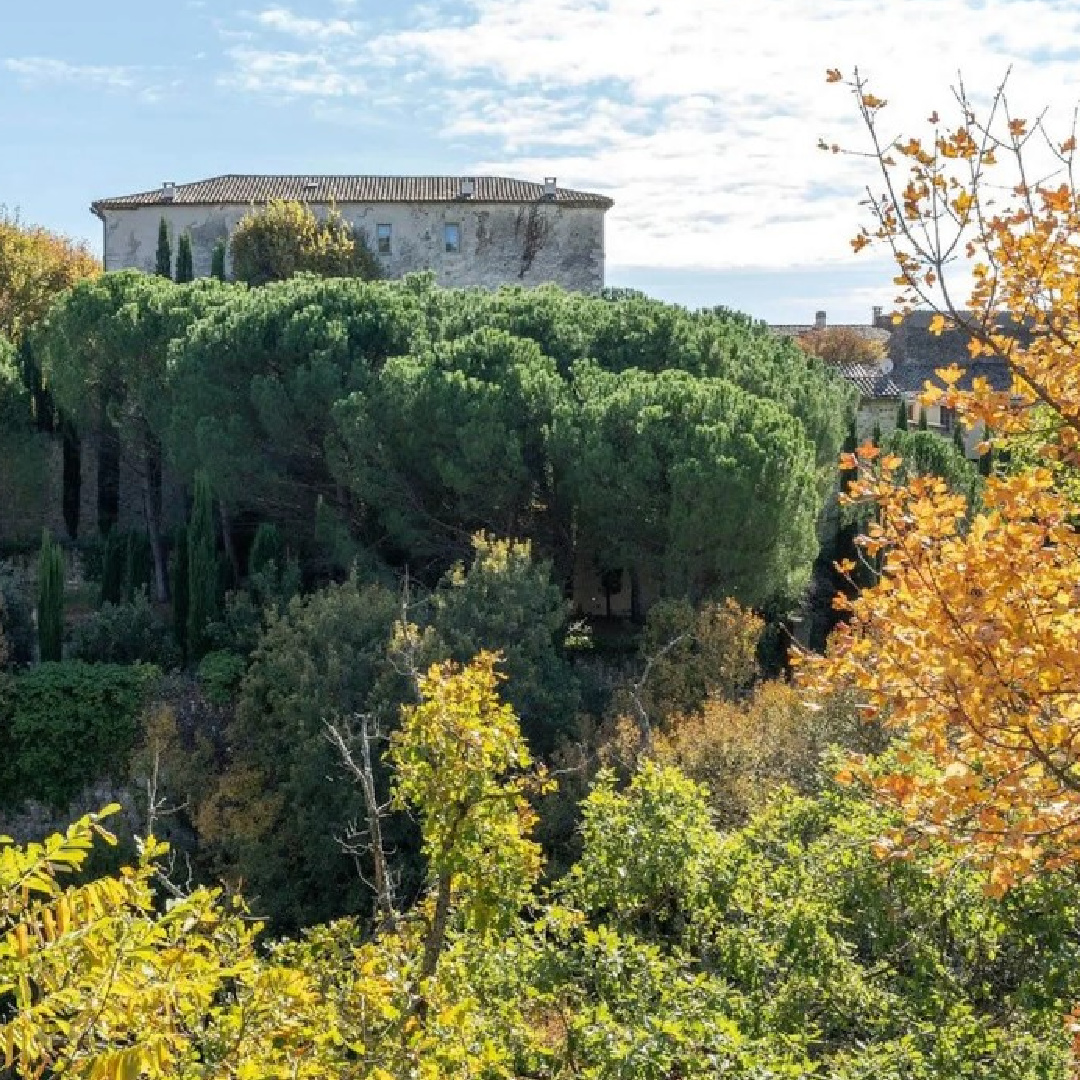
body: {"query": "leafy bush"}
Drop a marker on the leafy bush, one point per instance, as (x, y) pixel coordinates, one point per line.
(286, 238)
(125, 634)
(692, 655)
(743, 751)
(70, 723)
(220, 674)
(273, 817)
(505, 601)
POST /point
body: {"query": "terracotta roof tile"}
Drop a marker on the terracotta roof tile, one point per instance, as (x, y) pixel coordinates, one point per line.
(245, 190)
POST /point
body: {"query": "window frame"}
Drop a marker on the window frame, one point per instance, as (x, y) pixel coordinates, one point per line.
(388, 237)
(447, 249)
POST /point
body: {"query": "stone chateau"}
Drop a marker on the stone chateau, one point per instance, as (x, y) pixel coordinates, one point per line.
(481, 231)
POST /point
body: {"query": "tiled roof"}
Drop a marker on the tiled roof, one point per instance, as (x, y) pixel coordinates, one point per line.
(245, 190)
(917, 353)
(912, 376)
(870, 380)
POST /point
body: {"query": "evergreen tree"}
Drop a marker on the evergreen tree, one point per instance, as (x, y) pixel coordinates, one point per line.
(50, 598)
(113, 567)
(185, 265)
(164, 252)
(217, 260)
(901, 416)
(202, 568)
(923, 425)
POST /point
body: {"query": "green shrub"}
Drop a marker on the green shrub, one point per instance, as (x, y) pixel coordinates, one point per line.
(220, 674)
(68, 724)
(125, 634)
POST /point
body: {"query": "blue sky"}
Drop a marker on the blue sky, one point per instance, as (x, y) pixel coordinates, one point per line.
(699, 117)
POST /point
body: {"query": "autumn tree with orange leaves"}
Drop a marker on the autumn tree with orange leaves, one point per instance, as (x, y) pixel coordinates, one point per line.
(968, 644)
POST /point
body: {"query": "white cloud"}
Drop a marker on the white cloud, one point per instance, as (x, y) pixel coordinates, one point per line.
(47, 69)
(284, 21)
(700, 117)
(292, 74)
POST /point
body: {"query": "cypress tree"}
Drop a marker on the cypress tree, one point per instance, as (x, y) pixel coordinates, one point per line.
(50, 598)
(901, 416)
(265, 549)
(958, 440)
(217, 260)
(875, 436)
(202, 567)
(113, 567)
(922, 419)
(185, 264)
(180, 591)
(164, 251)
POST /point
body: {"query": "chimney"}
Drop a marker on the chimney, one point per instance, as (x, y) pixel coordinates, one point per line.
(549, 187)
(168, 191)
(468, 187)
(875, 315)
(819, 320)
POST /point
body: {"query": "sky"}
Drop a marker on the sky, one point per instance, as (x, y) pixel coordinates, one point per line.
(700, 118)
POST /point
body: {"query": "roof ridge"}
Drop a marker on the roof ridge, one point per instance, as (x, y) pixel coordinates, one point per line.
(246, 188)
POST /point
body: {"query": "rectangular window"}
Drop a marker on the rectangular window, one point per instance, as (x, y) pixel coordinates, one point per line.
(382, 239)
(452, 236)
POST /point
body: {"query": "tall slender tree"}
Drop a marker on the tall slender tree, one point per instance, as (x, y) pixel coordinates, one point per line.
(217, 260)
(185, 265)
(163, 264)
(50, 598)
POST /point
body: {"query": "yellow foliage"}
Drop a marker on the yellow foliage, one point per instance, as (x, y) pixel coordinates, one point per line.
(968, 643)
(742, 752)
(35, 267)
(841, 344)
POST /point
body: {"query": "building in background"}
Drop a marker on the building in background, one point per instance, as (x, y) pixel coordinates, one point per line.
(482, 231)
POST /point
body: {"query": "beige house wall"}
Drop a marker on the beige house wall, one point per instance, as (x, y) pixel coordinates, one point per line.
(528, 244)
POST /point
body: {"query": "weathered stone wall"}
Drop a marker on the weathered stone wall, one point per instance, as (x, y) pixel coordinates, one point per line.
(880, 412)
(501, 244)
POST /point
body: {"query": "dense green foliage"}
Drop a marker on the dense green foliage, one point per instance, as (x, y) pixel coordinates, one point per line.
(925, 453)
(50, 605)
(104, 351)
(792, 938)
(408, 418)
(505, 601)
(65, 725)
(125, 633)
(276, 815)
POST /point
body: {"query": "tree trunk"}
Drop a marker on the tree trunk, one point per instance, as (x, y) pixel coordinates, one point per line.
(637, 613)
(436, 937)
